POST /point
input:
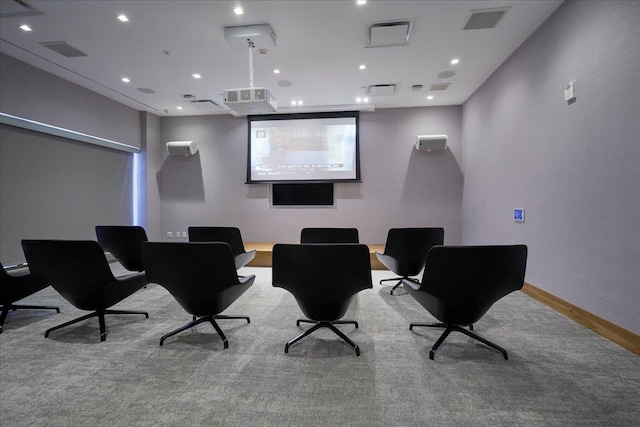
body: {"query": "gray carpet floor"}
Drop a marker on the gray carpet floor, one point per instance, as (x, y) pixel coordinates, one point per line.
(558, 373)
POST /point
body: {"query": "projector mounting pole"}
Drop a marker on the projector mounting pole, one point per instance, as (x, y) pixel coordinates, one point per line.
(251, 44)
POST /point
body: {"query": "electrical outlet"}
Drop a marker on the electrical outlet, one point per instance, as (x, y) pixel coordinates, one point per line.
(169, 234)
(184, 234)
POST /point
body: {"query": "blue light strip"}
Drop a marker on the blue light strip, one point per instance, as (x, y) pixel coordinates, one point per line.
(8, 119)
(134, 205)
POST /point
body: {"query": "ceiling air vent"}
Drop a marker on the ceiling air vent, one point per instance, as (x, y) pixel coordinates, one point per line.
(64, 49)
(388, 33)
(383, 89)
(205, 104)
(482, 19)
(439, 86)
(14, 8)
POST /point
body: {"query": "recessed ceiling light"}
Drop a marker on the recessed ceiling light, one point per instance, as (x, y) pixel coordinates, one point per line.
(430, 97)
(126, 79)
(365, 99)
(293, 102)
(455, 61)
(238, 11)
(358, 100)
(179, 108)
(25, 27)
(197, 76)
(361, 2)
(363, 67)
(299, 102)
(276, 71)
(123, 18)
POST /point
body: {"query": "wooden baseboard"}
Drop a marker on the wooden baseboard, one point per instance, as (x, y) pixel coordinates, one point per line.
(618, 335)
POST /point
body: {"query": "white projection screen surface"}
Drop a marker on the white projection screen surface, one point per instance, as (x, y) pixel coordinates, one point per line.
(303, 148)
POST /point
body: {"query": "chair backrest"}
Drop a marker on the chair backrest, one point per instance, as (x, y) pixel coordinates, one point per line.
(229, 235)
(322, 278)
(125, 244)
(471, 279)
(329, 235)
(194, 273)
(410, 246)
(70, 266)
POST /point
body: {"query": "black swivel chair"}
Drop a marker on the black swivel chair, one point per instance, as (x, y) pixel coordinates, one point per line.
(329, 235)
(202, 277)
(124, 242)
(405, 251)
(323, 279)
(230, 235)
(15, 287)
(461, 283)
(80, 272)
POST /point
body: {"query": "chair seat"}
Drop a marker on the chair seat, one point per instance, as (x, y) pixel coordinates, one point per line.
(201, 277)
(14, 288)
(461, 283)
(79, 271)
(406, 249)
(323, 279)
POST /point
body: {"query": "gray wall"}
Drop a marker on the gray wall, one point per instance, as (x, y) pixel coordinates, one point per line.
(575, 168)
(151, 156)
(52, 187)
(37, 95)
(401, 187)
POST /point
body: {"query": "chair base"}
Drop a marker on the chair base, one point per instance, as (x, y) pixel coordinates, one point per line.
(12, 307)
(397, 285)
(450, 328)
(100, 315)
(212, 319)
(324, 324)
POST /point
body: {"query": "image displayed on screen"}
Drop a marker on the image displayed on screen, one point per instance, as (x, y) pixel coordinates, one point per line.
(309, 149)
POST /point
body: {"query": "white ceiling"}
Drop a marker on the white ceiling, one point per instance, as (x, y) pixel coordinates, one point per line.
(319, 47)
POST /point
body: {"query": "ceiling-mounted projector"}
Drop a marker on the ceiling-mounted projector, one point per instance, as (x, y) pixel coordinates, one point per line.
(254, 100)
(251, 100)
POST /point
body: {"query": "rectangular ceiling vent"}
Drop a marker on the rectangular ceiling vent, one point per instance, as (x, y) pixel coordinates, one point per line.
(439, 86)
(205, 104)
(383, 89)
(482, 19)
(15, 8)
(64, 49)
(388, 33)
